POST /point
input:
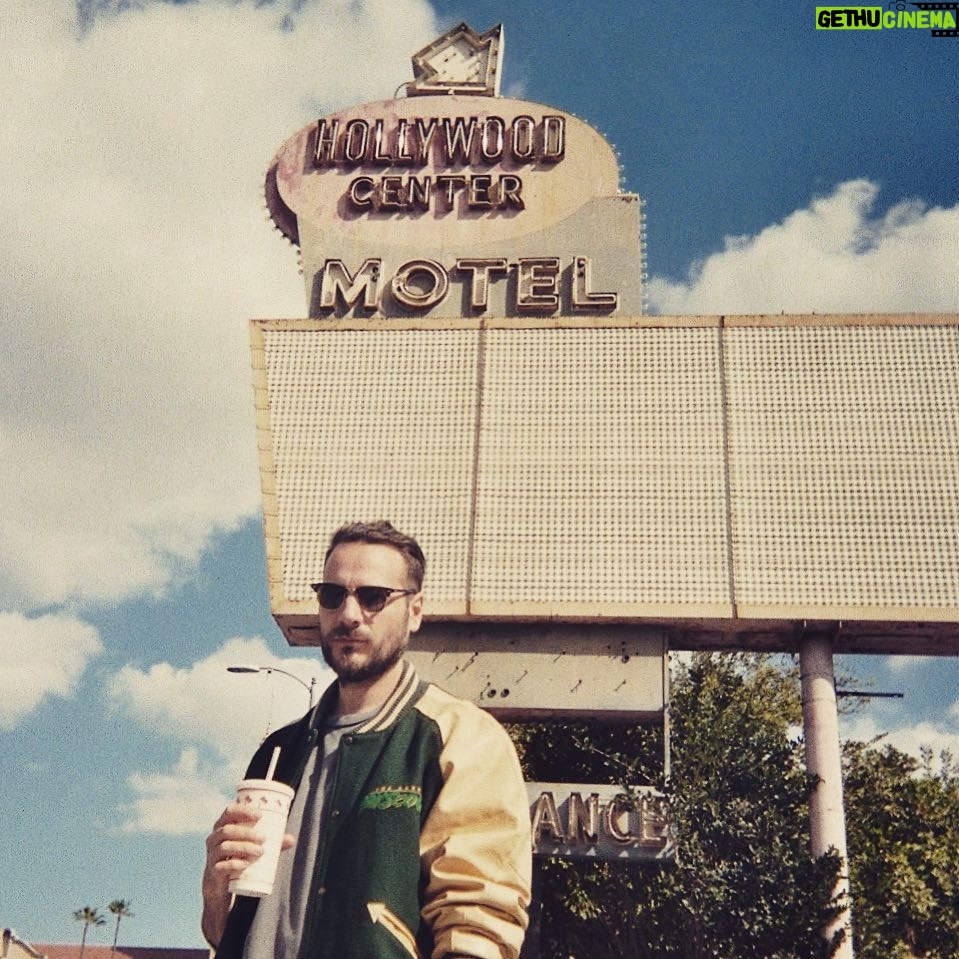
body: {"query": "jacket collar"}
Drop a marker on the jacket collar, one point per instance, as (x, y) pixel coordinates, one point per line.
(403, 693)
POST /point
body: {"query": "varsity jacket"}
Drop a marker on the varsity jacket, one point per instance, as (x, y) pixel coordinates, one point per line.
(425, 846)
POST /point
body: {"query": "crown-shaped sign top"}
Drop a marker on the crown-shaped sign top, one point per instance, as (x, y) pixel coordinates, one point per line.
(460, 61)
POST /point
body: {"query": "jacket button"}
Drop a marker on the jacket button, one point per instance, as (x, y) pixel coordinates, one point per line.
(321, 892)
(334, 813)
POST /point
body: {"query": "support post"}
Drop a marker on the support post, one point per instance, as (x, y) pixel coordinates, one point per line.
(827, 820)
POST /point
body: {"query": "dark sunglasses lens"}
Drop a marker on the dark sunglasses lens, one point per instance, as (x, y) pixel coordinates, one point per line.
(331, 595)
(372, 598)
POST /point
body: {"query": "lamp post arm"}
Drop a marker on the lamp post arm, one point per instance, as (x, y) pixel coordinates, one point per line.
(309, 687)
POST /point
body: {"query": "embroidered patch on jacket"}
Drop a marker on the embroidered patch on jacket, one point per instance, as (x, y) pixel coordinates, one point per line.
(394, 797)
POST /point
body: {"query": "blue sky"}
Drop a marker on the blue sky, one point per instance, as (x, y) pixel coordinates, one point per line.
(137, 248)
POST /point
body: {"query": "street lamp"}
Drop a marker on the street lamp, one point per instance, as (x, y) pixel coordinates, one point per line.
(273, 669)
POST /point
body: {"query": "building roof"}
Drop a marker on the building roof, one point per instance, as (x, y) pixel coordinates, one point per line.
(14, 947)
(56, 951)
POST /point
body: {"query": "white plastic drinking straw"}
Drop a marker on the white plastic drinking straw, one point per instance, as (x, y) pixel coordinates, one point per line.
(273, 762)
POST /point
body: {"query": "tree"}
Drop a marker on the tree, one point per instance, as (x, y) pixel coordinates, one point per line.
(743, 884)
(902, 820)
(89, 917)
(119, 908)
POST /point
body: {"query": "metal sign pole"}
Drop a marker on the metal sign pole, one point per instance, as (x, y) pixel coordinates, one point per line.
(827, 821)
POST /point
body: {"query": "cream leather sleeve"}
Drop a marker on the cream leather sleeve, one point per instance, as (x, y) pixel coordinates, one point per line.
(475, 846)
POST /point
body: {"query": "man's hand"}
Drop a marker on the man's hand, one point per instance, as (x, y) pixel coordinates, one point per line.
(233, 844)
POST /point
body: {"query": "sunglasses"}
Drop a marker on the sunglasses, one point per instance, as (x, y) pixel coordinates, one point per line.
(371, 598)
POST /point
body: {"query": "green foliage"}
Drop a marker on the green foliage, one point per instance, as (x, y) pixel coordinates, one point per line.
(89, 917)
(121, 909)
(743, 884)
(92, 917)
(903, 835)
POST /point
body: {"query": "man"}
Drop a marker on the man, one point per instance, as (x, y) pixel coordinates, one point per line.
(409, 831)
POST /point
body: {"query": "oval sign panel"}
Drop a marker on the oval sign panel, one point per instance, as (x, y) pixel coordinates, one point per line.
(439, 170)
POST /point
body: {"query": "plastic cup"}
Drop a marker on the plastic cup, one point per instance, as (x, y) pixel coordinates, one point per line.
(271, 800)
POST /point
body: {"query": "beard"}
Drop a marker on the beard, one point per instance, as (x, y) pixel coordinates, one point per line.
(351, 668)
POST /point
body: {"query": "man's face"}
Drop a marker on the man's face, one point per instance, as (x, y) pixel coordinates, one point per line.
(359, 645)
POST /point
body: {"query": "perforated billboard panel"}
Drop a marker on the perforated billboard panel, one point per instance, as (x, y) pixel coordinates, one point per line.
(368, 424)
(722, 473)
(844, 469)
(601, 481)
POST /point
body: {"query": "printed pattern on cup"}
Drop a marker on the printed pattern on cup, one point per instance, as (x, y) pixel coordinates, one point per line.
(272, 801)
(278, 803)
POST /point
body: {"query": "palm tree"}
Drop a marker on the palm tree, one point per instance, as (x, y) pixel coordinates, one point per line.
(89, 917)
(119, 908)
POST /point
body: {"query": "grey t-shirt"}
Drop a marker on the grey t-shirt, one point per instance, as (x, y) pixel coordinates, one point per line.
(278, 925)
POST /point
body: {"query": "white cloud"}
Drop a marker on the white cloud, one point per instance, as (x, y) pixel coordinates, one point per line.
(909, 739)
(136, 249)
(185, 801)
(904, 665)
(39, 659)
(204, 705)
(933, 736)
(836, 256)
(218, 718)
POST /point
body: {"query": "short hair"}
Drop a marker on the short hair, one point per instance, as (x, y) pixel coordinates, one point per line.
(383, 533)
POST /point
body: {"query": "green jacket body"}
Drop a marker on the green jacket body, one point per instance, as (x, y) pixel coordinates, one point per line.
(425, 848)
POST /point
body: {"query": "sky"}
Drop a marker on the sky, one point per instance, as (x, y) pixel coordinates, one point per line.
(783, 169)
